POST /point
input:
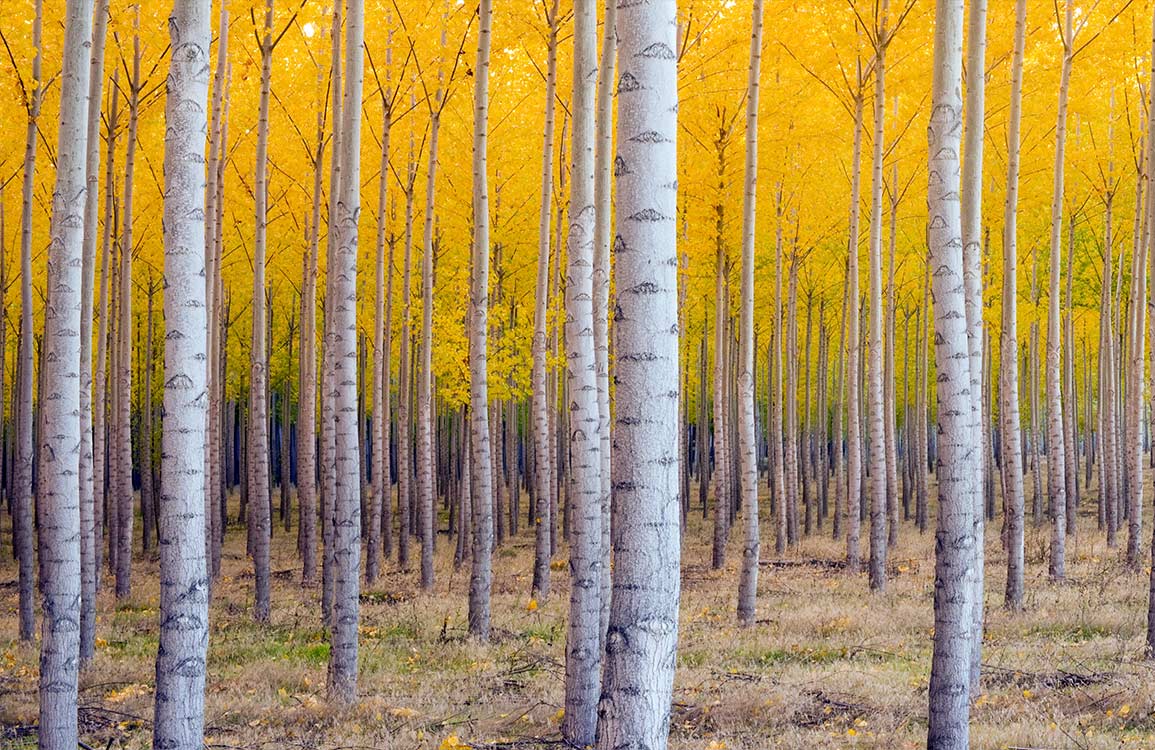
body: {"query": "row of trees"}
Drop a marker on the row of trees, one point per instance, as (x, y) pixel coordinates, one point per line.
(615, 463)
(187, 505)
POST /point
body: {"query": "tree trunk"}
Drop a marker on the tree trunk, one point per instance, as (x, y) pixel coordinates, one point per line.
(643, 629)
(425, 466)
(258, 437)
(343, 361)
(972, 204)
(949, 690)
(88, 534)
(124, 494)
(876, 393)
(1012, 450)
(60, 587)
(747, 450)
(23, 516)
(583, 485)
(184, 611)
(1056, 452)
(853, 419)
(481, 463)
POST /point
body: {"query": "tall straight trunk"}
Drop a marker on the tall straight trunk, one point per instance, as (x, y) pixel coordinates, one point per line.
(949, 691)
(405, 475)
(22, 518)
(213, 520)
(875, 390)
(284, 447)
(790, 406)
(1070, 415)
(777, 458)
(1056, 452)
(603, 233)
(123, 462)
(59, 527)
(890, 376)
(184, 611)
(100, 380)
(721, 452)
(88, 516)
(1136, 377)
(147, 494)
(328, 464)
(481, 462)
(583, 421)
(837, 470)
(307, 397)
(972, 204)
(643, 629)
(379, 496)
(1012, 450)
(258, 438)
(383, 340)
(426, 489)
(343, 363)
(1142, 302)
(853, 418)
(747, 448)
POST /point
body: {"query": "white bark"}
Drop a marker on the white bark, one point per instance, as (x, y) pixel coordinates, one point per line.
(1056, 453)
(88, 536)
(184, 580)
(972, 204)
(642, 640)
(481, 473)
(343, 347)
(876, 395)
(259, 520)
(22, 505)
(1012, 450)
(583, 486)
(949, 691)
(60, 447)
(747, 448)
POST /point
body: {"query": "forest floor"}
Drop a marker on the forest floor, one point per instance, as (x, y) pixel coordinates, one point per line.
(828, 664)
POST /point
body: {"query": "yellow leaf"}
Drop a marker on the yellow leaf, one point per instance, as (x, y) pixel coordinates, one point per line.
(1027, 693)
(532, 606)
(1124, 710)
(453, 742)
(716, 745)
(403, 713)
(851, 732)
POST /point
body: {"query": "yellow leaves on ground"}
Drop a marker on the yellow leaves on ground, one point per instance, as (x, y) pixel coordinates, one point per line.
(132, 690)
(401, 712)
(453, 742)
(716, 745)
(531, 606)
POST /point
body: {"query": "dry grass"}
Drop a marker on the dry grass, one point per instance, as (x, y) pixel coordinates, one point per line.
(827, 665)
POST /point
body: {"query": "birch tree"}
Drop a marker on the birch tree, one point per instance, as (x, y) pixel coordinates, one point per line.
(747, 450)
(184, 613)
(343, 361)
(1012, 451)
(22, 505)
(88, 535)
(583, 487)
(643, 630)
(1056, 453)
(972, 204)
(949, 691)
(542, 458)
(123, 450)
(260, 521)
(481, 463)
(60, 587)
